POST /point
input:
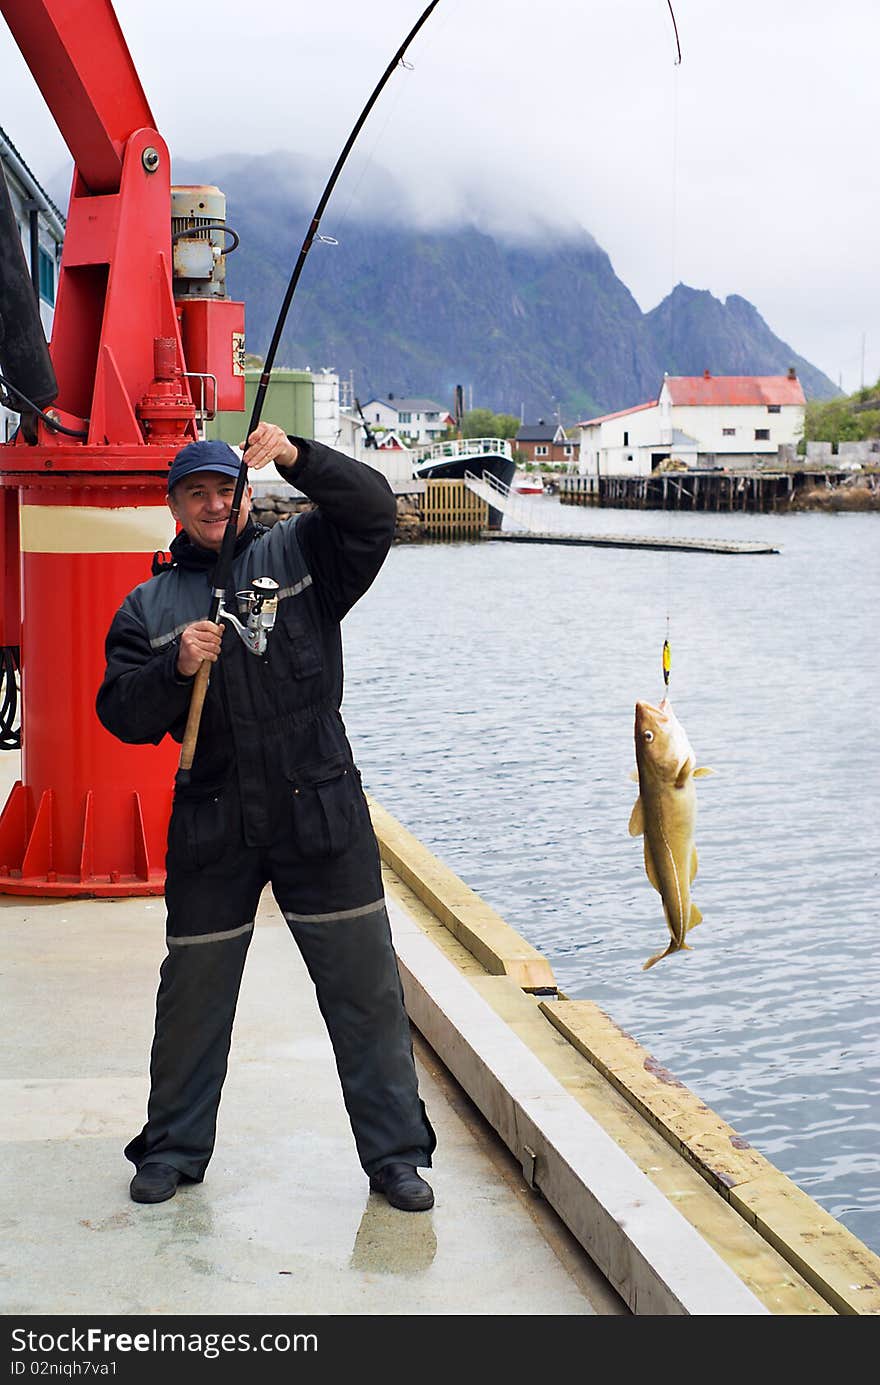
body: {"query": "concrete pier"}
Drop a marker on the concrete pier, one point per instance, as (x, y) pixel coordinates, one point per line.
(284, 1222)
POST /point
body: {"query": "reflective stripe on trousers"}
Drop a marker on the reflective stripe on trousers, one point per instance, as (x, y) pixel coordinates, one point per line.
(334, 907)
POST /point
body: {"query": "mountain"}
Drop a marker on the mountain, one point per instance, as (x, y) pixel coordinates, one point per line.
(533, 327)
(690, 328)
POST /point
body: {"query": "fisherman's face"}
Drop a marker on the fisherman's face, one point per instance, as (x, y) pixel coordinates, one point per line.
(201, 503)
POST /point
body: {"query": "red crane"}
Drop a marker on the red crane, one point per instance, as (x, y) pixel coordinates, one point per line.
(144, 344)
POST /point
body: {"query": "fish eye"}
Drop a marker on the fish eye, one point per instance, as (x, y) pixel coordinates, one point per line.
(649, 735)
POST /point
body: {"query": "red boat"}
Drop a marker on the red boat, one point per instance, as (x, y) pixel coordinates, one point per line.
(528, 483)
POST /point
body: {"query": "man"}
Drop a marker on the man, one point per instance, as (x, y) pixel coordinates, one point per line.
(273, 797)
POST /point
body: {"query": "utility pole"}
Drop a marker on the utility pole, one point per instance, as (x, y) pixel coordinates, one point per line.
(863, 361)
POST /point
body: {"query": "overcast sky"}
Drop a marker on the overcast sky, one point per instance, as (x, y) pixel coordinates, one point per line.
(749, 168)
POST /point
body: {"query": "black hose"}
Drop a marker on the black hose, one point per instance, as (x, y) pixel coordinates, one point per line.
(194, 233)
(49, 422)
(10, 734)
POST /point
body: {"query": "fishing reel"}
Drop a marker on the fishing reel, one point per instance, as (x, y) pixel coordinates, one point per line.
(258, 605)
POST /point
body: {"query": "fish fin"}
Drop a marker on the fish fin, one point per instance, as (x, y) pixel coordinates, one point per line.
(637, 819)
(651, 870)
(703, 771)
(684, 773)
(694, 865)
(695, 918)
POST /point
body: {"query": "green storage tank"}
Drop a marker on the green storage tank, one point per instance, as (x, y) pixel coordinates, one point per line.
(289, 402)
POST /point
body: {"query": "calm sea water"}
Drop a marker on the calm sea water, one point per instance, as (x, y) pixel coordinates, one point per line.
(489, 700)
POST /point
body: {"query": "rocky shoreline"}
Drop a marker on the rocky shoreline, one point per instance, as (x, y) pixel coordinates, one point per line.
(858, 492)
(269, 509)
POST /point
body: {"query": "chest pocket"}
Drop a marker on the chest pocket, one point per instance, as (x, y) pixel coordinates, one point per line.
(302, 646)
(327, 803)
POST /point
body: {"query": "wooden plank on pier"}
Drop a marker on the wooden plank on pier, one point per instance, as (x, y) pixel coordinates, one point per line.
(497, 946)
(838, 1266)
(643, 541)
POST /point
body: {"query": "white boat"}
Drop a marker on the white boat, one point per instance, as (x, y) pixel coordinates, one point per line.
(528, 483)
(449, 460)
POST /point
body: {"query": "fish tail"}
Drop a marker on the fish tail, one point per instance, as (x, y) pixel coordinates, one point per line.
(673, 947)
(658, 957)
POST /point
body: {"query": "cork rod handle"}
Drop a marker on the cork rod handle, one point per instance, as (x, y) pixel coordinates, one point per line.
(197, 701)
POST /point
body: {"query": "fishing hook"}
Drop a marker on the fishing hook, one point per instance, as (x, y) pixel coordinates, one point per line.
(223, 570)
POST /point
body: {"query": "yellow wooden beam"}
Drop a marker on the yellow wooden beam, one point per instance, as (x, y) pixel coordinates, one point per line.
(497, 946)
(815, 1244)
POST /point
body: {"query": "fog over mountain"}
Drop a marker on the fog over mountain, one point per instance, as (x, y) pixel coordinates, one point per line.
(535, 324)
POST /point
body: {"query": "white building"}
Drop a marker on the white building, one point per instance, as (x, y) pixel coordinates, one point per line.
(41, 227)
(700, 420)
(325, 407)
(390, 455)
(420, 421)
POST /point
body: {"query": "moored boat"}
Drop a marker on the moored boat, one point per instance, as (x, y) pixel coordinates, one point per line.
(450, 460)
(528, 483)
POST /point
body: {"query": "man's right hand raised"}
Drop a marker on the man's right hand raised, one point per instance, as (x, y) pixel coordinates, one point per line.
(199, 641)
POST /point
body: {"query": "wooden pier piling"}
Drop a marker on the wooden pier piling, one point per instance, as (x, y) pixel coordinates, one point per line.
(451, 511)
(753, 492)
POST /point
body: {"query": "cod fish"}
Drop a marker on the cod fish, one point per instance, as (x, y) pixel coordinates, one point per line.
(665, 815)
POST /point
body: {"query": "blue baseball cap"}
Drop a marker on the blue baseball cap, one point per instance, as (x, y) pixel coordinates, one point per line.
(210, 455)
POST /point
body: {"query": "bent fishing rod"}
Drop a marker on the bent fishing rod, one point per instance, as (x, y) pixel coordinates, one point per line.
(223, 570)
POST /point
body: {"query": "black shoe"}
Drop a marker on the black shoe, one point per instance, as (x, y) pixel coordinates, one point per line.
(155, 1183)
(402, 1187)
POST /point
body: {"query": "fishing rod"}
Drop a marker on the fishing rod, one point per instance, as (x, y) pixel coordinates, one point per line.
(223, 570)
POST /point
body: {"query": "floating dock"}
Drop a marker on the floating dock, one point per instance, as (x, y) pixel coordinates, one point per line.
(643, 541)
(524, 519)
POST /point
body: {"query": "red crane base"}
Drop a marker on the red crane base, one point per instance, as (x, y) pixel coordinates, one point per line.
(34, 846)
(89, 815)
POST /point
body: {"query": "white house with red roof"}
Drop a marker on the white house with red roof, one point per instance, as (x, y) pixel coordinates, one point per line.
(701, 420)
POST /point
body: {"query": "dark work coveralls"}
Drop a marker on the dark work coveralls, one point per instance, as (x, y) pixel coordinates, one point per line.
(274, 796)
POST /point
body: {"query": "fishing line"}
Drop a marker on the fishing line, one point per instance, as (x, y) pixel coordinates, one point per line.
(446, 17)
(369, 157)
(666, 657)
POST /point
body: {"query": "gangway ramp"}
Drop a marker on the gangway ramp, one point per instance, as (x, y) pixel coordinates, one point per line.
(521, 512)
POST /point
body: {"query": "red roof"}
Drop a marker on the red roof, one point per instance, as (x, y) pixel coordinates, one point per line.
(703, 390)
(621, 413)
